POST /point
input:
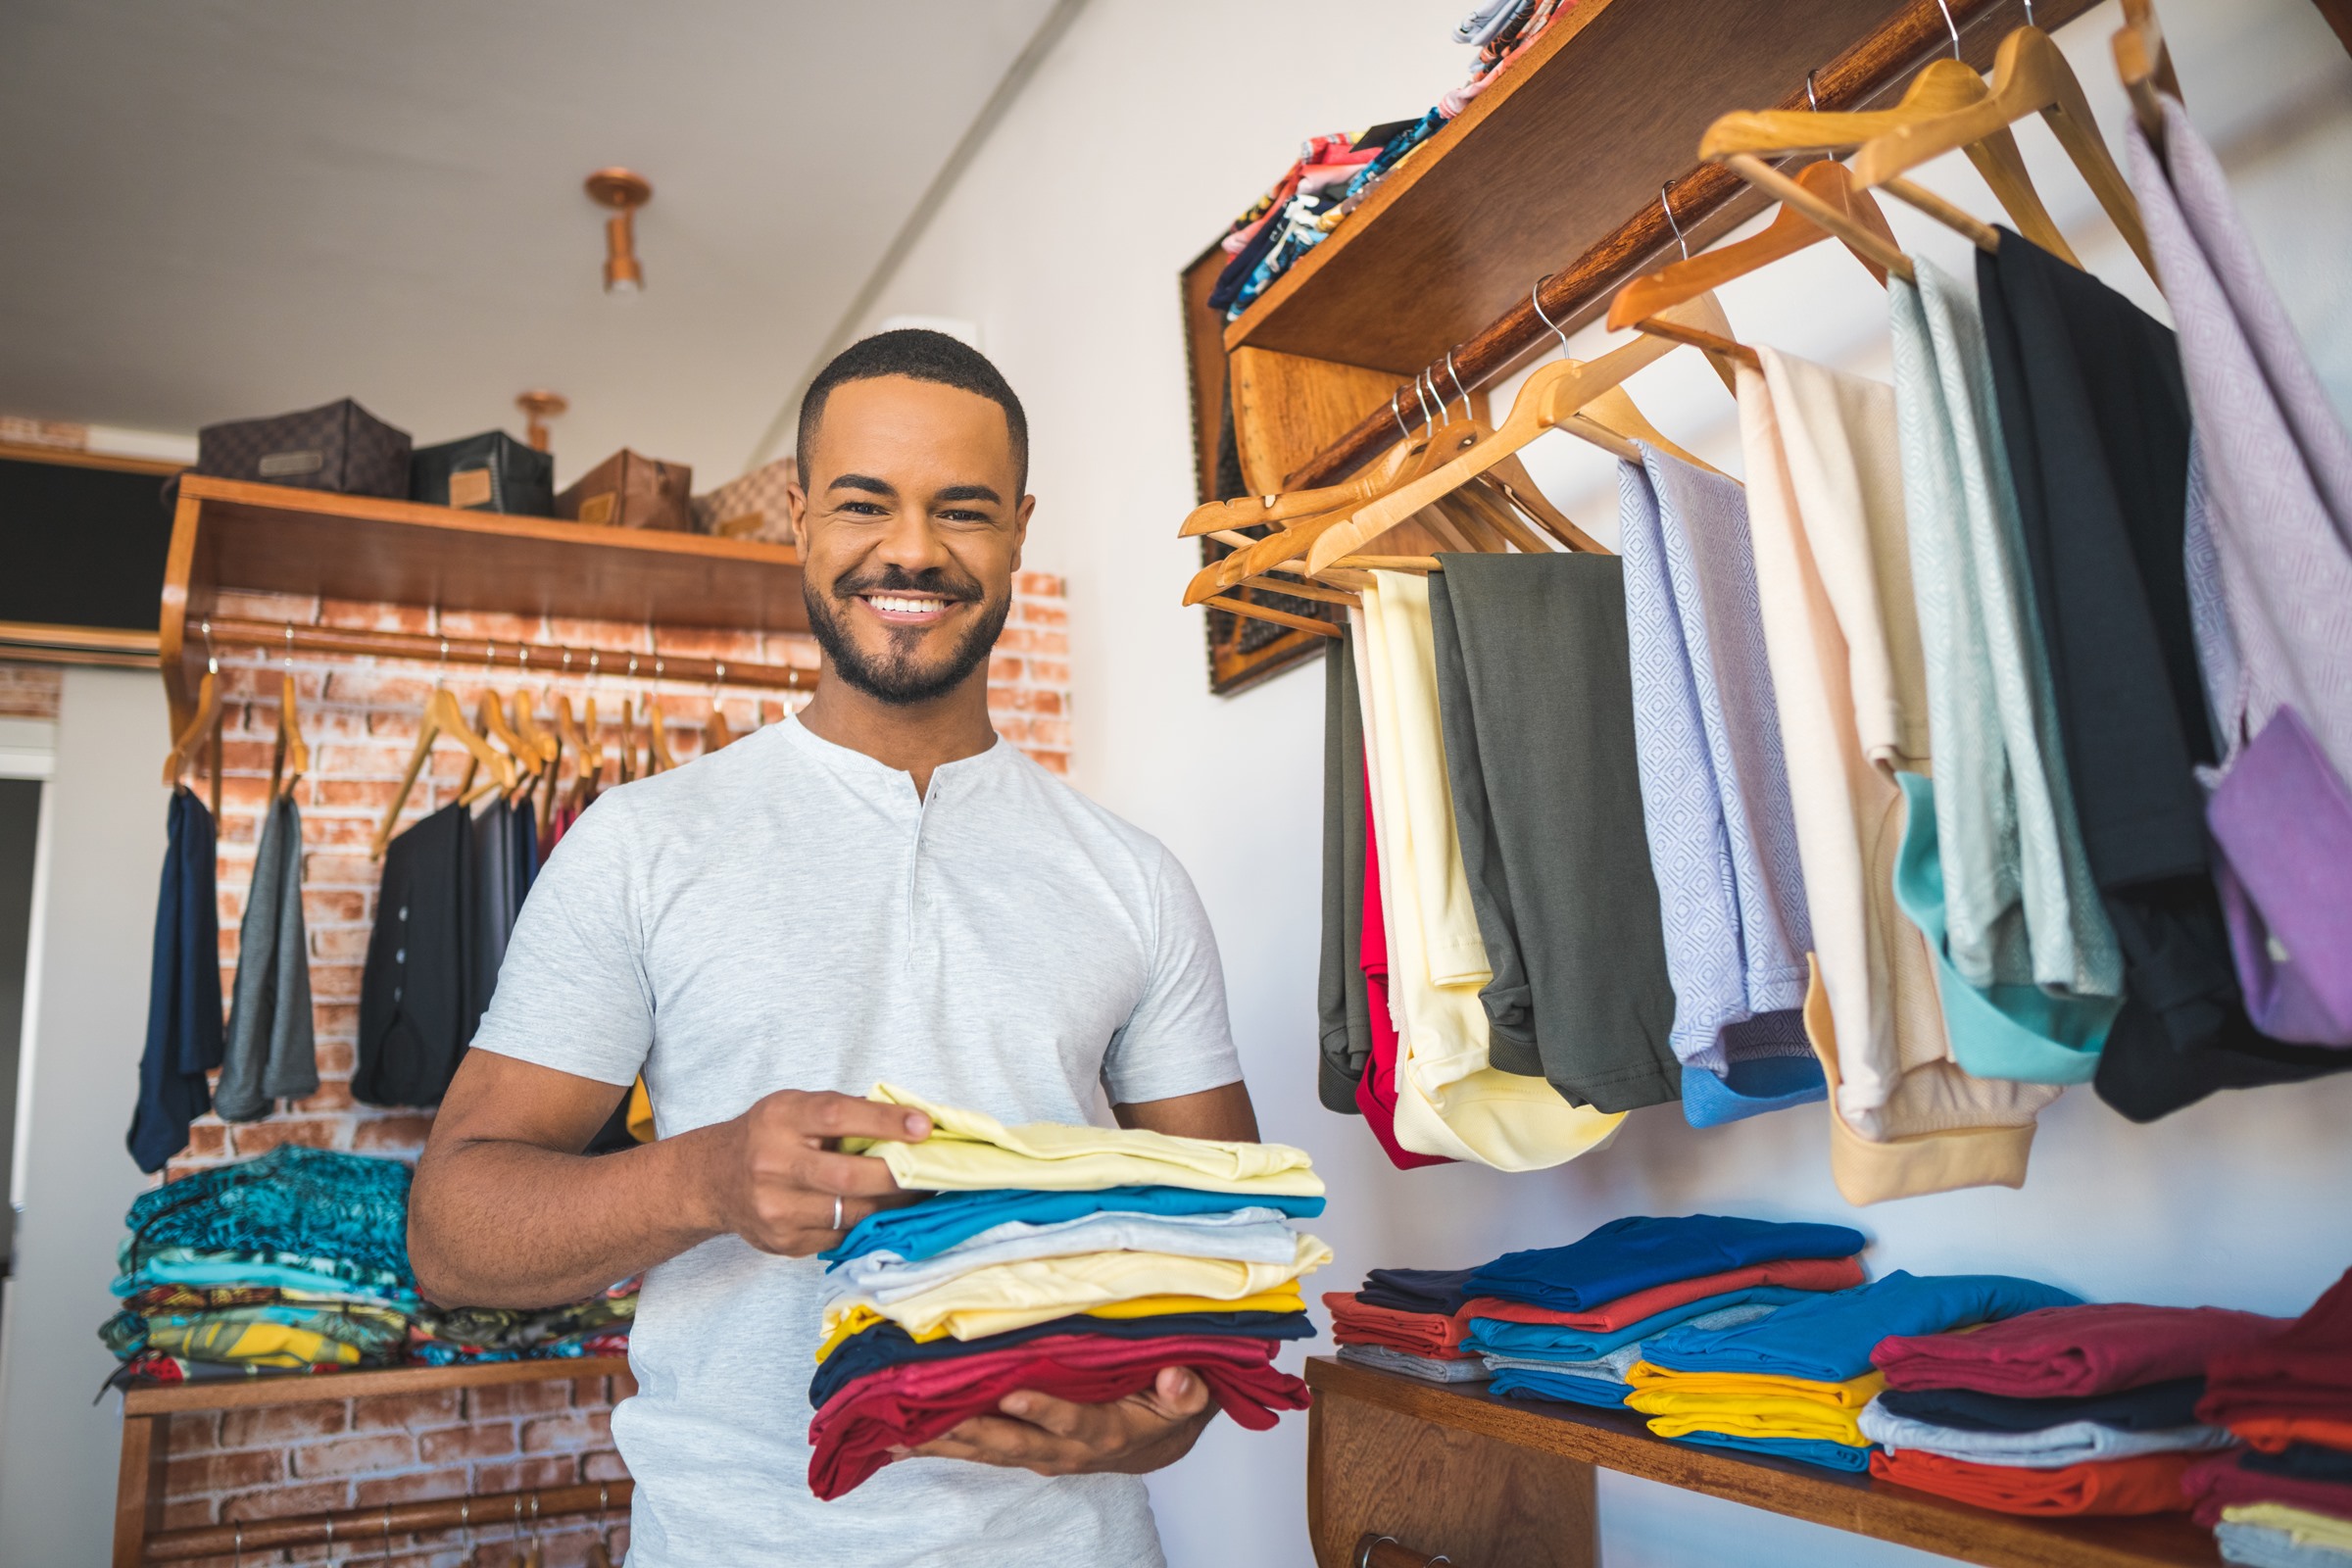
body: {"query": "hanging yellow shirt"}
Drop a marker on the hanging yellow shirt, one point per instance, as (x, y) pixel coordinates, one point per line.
(968, 1151)
(862, 1316)
(1751, 1405)
(1038, 1289)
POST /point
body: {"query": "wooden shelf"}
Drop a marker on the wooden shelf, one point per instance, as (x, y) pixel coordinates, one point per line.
(245, 1393)
(1856, 1504)
(278, 539)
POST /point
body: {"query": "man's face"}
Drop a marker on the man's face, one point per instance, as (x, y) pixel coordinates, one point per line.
(911, 519)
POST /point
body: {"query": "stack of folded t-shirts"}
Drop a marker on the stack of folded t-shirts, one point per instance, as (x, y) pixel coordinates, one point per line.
(298, 1261)
(1572, 1322)
(1074, 1262)
(2070, 1410)
(1794, 1384)
(1408, 1320)
(2285, 1498)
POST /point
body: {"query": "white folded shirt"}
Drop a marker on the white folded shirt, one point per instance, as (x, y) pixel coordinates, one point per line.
(1244, 1235)
(2051, 1448)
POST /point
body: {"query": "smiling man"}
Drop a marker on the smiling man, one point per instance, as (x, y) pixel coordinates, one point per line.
(879, 889)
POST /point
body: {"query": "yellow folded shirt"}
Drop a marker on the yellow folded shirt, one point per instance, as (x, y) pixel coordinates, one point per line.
(2309, 1529)
(1282, 1298)
(1038, 1289)
(968, 1151)
(1751, 1405)
(271, 1345)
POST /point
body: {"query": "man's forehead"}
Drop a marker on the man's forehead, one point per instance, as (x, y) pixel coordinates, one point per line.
(920, 424)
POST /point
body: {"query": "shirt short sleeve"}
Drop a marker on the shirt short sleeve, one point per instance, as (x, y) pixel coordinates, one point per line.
(1178, 1041)
(572, 992)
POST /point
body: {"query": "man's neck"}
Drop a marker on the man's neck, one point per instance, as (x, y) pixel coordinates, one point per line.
(915, 738)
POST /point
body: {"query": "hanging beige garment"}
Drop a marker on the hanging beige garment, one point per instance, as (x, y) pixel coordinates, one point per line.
(1842, 632)
(1450, 1101)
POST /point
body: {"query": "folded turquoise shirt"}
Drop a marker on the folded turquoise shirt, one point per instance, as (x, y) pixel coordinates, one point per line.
(1491, 1336)
(1806, 1451)
(1829, 1337)
(2020, 1032)
(928, 1227)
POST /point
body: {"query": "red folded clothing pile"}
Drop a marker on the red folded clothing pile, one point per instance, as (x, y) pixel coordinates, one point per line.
(2067, 1354)
(2289, 1396)
(910, 1403)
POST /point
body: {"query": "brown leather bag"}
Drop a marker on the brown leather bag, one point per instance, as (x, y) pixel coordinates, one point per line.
(630, 491)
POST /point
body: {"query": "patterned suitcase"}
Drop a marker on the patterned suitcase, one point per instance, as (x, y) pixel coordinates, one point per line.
(339, 447)
(630, 491)
(752, 507)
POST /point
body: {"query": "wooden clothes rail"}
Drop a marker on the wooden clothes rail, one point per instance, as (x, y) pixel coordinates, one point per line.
(363, 1530)
(503, 662)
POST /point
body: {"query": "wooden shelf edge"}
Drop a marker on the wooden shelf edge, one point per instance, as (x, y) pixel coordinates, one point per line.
(1857, 1504)
(37, 642)
(236, 1393)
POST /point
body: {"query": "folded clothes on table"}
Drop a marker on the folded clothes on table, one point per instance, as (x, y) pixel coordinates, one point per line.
(1416, 1289)
(2073, 1351)
(2150, 1408)
(886, 1345)
(2308, 1462)
(1428, 1368)
(206, 1270)
(1640, 1251)
(2050, 1448)
(2261, 1546)
(1804, 1451)
(1353, 1321)
(2223, 1481)
(1244, 1236)
(2305, 1369)
(2309, 1529)
(2273, 1434)
(1794, 1273)
(310, 1201)
(969, 1149)
(908, 1405)
(1829, 1339)
(950, 1219)
(2148, 1484)
(1600, 1381)
(1502, 1337)
(1747, 1405)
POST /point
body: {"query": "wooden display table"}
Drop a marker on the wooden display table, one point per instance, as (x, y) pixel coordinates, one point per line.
(1496, 1483)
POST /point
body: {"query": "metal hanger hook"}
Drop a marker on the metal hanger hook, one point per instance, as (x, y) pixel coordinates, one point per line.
(1402, 430)
(1946, 7)
(1675, 222)
(1458, 383)
(289, 648)
(1534, 299)
(2030, 22)
(1422, 397)
(1811, 102)
(211, 660)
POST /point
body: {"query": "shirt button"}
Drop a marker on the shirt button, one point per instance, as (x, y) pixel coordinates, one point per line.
(403, 912)
(401, 955)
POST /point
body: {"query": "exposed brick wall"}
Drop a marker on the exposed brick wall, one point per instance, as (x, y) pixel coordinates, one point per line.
(231, 1465)
(29, 691)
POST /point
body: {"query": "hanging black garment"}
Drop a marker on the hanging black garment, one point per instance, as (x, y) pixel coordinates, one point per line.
(417, 993)
(1341, 1001)
(2095, 418)
(1535, 692)
(184, 1038)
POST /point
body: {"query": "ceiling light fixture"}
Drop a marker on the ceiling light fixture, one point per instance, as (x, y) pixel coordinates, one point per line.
(538, 406)
(625, 191)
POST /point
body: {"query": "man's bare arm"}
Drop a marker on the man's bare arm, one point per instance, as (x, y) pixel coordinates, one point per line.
(506, 1211)
(1224, 1113)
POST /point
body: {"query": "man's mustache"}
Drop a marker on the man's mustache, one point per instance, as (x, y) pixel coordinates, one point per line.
(897, 579)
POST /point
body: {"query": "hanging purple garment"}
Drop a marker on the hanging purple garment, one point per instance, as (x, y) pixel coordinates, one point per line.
(2283, 821)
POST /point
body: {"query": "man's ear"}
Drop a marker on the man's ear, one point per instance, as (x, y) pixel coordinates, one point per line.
(796, 507)
(1020, 527)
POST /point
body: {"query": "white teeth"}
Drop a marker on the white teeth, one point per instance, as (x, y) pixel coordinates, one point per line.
(902, 607)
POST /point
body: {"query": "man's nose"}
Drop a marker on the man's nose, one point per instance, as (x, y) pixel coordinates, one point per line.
(911, 542)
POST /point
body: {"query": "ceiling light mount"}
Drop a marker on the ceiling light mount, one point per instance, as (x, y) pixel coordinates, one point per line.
(624, 190)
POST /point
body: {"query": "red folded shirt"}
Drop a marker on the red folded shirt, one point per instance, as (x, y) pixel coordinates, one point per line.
(2217, 1483)
(914, 1402)
(2063, 1351)
(1358, 1322)
(1792, 1273)
(2304, 1370)
(2147, 1483)
(2273, 1433)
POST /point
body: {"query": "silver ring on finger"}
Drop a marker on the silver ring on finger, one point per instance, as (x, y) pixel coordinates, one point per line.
(837, 1211)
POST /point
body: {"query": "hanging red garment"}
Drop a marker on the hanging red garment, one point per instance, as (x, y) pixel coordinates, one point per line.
(1376, 1090)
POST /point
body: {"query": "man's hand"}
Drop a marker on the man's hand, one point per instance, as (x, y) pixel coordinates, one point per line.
(1052, 1437)
(780, 1181)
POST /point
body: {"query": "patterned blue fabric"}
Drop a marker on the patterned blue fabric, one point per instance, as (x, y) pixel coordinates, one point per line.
(929, 1228)
(1714, 789)
(312, 1202)
(285, 1272)
(1305, 236)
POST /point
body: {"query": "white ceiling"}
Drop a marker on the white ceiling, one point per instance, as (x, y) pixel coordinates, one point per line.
(213, 209)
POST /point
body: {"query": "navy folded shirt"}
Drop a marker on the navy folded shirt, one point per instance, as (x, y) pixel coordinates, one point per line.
(1634, 1253)
(1417, 1290)
(1830, 1338)
(2305, 1461)
(2150, 1408)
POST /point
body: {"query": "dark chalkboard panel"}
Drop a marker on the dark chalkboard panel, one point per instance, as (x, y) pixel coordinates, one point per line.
(81, 545)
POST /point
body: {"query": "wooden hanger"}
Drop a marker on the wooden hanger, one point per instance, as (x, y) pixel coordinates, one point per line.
(1941, 87)
(1791, 231)
(716, 736)
(548, 749)
(490, 720)
(199, 730)
(2145, 64)
(629, 738)
(1249, 512)
(1552, 398)
(659, 759)
(290, 756)
(2029, 75)
(1858, 236)
(442, 716)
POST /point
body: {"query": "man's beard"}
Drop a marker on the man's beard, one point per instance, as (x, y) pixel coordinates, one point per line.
(894, 677)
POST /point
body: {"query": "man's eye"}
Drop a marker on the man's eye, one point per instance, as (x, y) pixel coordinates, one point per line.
(965, 516)
(863, 508)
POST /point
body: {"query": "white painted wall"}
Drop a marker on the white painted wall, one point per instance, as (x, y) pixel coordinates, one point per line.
(85, 1020)
(1147, 129)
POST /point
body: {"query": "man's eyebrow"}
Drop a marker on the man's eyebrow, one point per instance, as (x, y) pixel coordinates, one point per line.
(969, 492)
(864, 481)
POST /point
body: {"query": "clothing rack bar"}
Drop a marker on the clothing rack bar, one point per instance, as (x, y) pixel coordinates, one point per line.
(365, 1528)
(1578, 292)
(467, 655)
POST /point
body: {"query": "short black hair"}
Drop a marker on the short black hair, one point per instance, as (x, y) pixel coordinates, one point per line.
(921, 355)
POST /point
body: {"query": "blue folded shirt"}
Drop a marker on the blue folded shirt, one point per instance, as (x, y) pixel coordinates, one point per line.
(1527, 1383)
(1806, 1451)
(928, 1227)
(1830, 1337)
(1492, 1335)
(1634, 1253)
